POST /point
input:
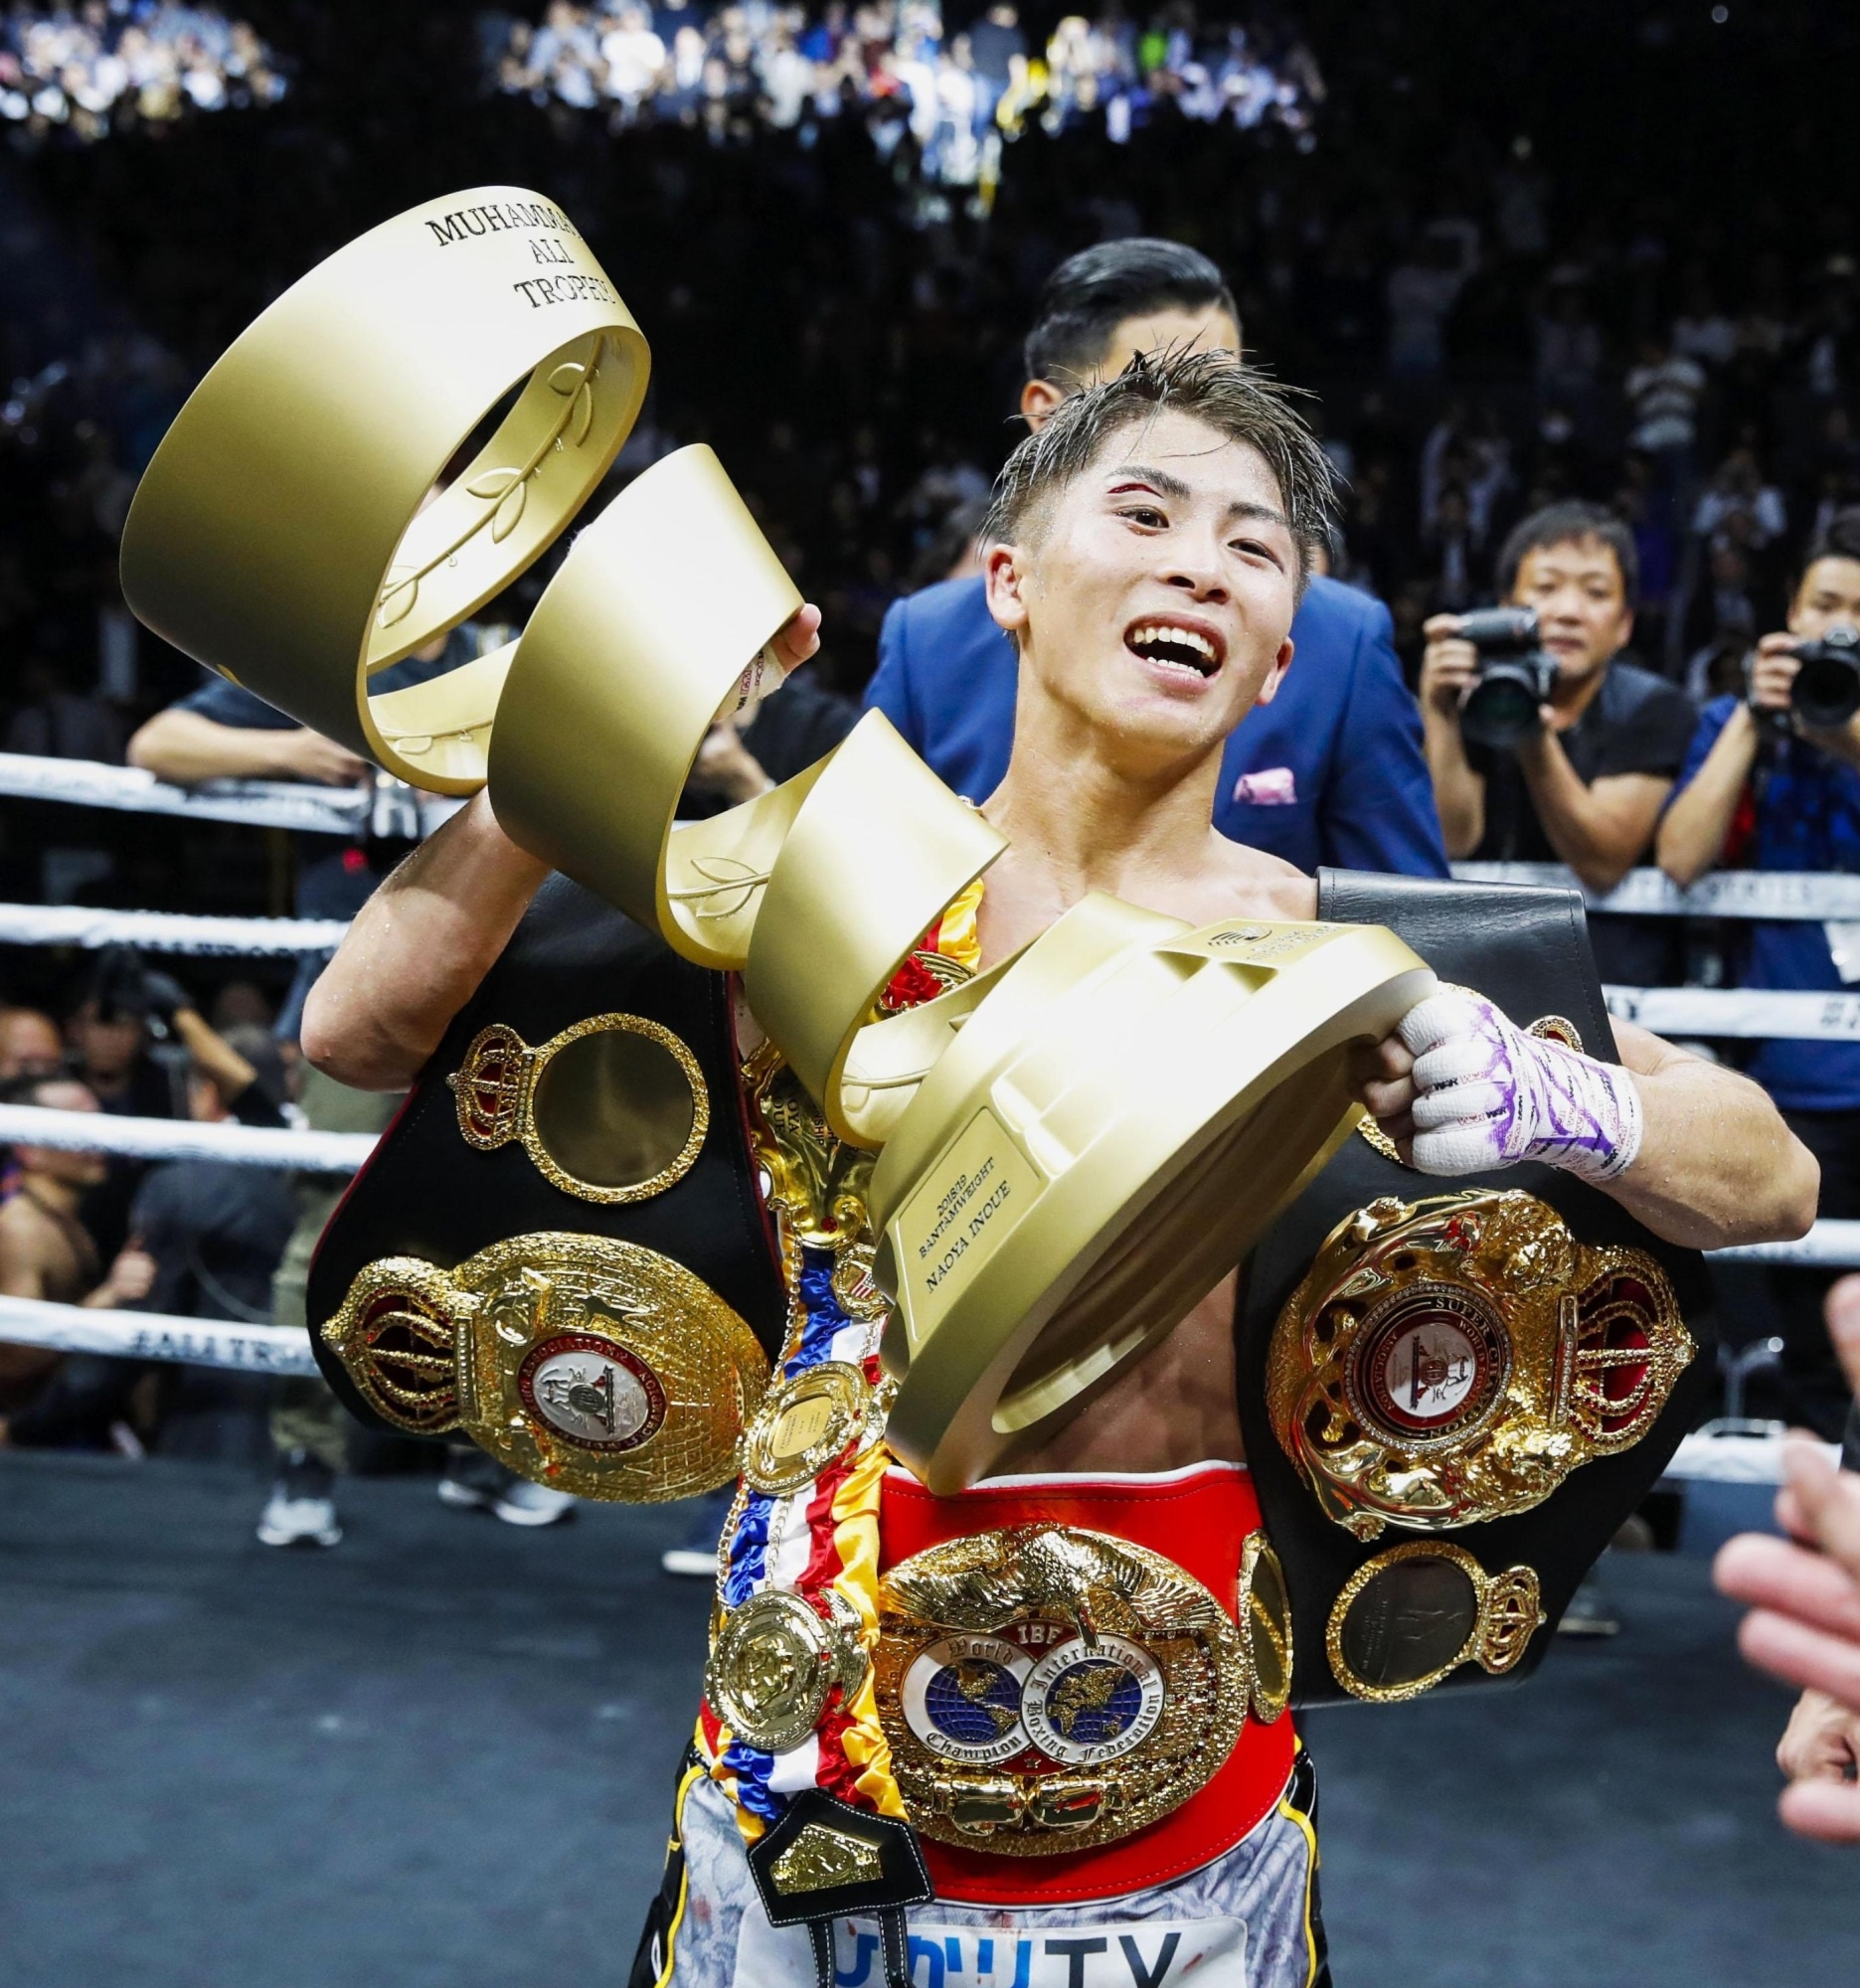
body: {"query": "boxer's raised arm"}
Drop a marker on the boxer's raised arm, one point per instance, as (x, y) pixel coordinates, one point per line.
(1695, 1151)
(418, 951)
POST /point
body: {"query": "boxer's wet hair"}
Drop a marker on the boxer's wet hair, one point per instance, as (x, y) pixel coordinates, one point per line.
(1233, 398)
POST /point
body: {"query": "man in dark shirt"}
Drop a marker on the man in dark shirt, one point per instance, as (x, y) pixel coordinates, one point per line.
(1586, 788)
(222, 732)
(757, 748)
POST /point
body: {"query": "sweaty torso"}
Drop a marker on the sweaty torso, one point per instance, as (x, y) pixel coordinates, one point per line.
(1177, 1405)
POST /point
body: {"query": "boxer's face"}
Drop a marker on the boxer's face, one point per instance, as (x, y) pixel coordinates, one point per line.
(1152, 595)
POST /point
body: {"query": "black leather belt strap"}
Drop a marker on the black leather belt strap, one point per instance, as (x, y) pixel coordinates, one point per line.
(826, 1860)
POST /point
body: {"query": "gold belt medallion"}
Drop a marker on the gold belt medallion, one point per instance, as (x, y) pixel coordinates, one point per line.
(613, 1109)
(803, 1424)
(1454, 1360)
(1416, 1612)
(1048, 1689)
(775, 1663)
(593, 1365)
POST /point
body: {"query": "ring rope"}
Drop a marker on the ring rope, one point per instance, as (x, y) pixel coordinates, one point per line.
(150, 1335)
(383, 807)
(1724, 893)
(1708, 1458)
(1740, 1012)
(165, 932)
(185, 1139)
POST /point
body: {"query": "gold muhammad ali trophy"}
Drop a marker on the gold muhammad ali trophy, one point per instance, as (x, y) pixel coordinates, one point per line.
(1127, 1104)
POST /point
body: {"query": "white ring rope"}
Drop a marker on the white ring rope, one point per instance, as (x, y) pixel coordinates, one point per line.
(280, 1349)
(184, 1139)
(164, 931)
(1726, 894)
(387, 807)
(146, 1335)
(1739, 1012)
(1735, 1459)
(383, 808)
(1830, 1243)
(1701, 1011)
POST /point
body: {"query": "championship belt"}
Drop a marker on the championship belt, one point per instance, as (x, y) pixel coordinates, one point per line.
(590, 1364)
(558, 1247)
(1113, 1675)
(1088, 1698)
(1453, 1401)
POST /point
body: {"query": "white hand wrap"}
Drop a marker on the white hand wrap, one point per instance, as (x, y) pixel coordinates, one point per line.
(1488, 1094)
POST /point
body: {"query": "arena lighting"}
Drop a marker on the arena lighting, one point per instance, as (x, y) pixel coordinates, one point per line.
(145, 64)
(923, 81)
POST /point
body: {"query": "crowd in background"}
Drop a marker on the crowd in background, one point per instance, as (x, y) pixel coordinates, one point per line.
(84, 71)
(1489, 317)
(892, 63)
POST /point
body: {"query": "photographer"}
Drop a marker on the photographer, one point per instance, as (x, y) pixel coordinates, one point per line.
(1561, 752)
(1772, 782)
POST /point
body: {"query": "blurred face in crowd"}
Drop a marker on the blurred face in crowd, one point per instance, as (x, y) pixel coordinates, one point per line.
(205, 1104)
(1169, 328)
(30, 1045)
(1581, 607)
(106, 1047)
(1828, 597)
(1152, 595)
(51, 1162)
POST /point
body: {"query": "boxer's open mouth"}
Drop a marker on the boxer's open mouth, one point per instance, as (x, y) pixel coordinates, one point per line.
(1177, 644)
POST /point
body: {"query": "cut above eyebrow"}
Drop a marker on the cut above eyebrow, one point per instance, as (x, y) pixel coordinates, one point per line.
(1166, 485)
(1159, 480)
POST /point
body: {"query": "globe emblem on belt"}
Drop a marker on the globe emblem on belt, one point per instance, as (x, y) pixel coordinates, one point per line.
(963, 1695)
(1087, 1703)
(592, 1393)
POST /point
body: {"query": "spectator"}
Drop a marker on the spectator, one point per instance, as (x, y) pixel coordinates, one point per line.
(30, 1045)
(635, 56)
(1420, 292)
(225, 731)
(1330, 771)
(309, 1427)
(107, 1036)
(205, 1237)
(47, 1252)
(1587, 784)
(996, 44)
(1762, 789)
(81, 70)
(1663, 391)
(1805, 1619)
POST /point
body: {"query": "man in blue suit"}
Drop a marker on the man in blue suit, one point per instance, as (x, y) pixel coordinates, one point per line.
(1332, 770)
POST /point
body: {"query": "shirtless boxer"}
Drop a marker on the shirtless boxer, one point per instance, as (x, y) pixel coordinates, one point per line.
(1147, 550)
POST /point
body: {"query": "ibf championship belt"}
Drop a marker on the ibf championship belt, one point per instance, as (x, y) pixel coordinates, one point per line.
(1050, 1689)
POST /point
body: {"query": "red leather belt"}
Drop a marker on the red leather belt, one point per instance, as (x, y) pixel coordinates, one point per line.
(1199, 1518)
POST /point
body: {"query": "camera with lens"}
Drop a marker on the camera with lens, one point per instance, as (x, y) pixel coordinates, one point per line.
(1826, 690)
(1515, 676)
